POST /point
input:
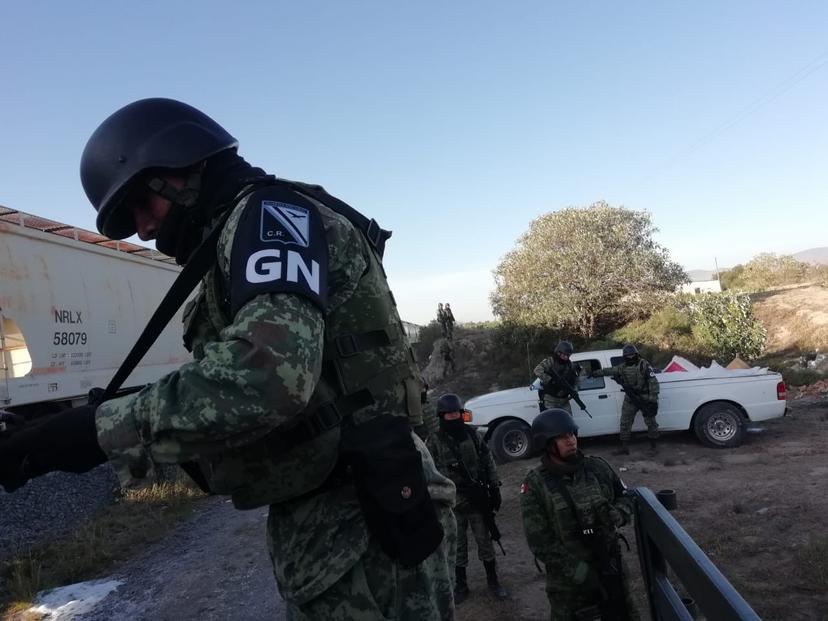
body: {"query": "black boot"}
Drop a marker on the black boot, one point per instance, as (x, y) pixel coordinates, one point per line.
(494, 584)
(461, 587)
(653, 448)
(622, 450)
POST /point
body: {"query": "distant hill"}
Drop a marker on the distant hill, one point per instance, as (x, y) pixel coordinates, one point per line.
(817, 256)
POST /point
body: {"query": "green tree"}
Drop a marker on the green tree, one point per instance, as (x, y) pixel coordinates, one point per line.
(725, 324)
(765, 271)
(579, 268)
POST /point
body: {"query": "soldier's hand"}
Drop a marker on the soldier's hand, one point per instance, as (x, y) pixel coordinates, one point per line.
(611, 516)
(496, 497)
(64, 441)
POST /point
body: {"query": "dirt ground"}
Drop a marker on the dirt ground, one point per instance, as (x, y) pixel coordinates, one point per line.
(758, 511)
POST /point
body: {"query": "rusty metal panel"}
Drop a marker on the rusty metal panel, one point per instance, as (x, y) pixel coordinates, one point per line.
(80, 301)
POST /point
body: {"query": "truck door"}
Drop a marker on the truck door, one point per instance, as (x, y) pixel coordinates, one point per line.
(601, 398)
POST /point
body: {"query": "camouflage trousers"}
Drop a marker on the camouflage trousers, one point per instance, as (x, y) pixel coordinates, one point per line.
(557, 402)
(565, 601)
(466, 516)
(628, 412)
(379, 588)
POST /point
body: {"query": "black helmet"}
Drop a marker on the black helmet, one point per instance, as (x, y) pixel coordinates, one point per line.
(449, 402)
(564, 347)
(551, 424)
(149, 133)
(629, 351)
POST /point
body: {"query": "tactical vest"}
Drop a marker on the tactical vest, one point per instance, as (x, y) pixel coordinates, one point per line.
(368, 370)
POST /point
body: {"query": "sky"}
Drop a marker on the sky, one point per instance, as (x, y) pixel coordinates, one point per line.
(454, 124)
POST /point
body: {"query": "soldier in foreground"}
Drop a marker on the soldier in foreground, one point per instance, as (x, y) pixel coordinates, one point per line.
(303, 390)
(559, 377)
(572, 506)
(637, 378)
(461, 455)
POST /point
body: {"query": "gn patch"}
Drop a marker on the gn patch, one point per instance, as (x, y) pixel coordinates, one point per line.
(279, 247)
(286, 223)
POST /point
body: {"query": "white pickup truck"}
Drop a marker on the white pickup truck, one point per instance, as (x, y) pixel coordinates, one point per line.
(717, 404)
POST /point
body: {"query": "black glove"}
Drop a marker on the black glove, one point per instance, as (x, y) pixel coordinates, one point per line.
(66, 441)
(496, 498)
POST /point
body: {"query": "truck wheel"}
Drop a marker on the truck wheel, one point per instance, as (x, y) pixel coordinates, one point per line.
(511, 440)
(720, 425)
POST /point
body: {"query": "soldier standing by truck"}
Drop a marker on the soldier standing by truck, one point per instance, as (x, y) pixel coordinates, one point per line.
(303, 389)
(638, 381)
(461, 455)
(559, 377)
(572, 506)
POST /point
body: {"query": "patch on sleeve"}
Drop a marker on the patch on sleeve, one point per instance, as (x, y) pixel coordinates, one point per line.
(279, 247)
(524, 488)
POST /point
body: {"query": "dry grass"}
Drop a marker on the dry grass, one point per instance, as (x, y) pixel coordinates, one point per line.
(795, 318)
(140, 517)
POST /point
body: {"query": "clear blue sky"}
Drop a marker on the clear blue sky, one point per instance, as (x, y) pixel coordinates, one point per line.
(454, 124)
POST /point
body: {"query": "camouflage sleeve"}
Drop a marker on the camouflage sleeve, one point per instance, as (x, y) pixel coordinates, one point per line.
(608, 372)
(542, 372)
(615, 487)
(257, 375)
(542, 533)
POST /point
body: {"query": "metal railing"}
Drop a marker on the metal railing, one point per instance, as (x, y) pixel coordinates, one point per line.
(662, 543)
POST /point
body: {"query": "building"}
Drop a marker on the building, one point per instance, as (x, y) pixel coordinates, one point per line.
(702, 286)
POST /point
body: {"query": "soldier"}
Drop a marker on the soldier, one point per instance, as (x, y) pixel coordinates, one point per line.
(441, 318)
(447, 351)
(559, 376)
(572, 506)
(302, 387)
(639, 382)
(461, 455)
(449, 321)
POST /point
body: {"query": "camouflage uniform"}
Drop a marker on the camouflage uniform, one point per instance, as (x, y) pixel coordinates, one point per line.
(555, 394)
(554, 534)
(477, 457)
(441, 319)
(270, 365)
(641, 378)
(449, 322)
(447, 352)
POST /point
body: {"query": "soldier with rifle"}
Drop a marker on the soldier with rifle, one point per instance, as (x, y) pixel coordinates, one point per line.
(462, 456)
(638, 381)
(572, 506)
(560, 376)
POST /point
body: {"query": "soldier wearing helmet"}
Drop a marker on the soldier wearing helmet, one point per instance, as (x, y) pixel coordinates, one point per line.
(303, 390)
(461, 455)
(572, 507)
(559, 376)
(638, 380)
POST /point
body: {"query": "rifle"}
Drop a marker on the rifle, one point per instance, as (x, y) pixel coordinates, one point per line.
(647, 408)
(479, 495)
(572, 393)
(602, 542)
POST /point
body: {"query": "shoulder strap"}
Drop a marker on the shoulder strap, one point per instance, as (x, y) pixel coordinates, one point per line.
(375, 234)
(199, 264)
